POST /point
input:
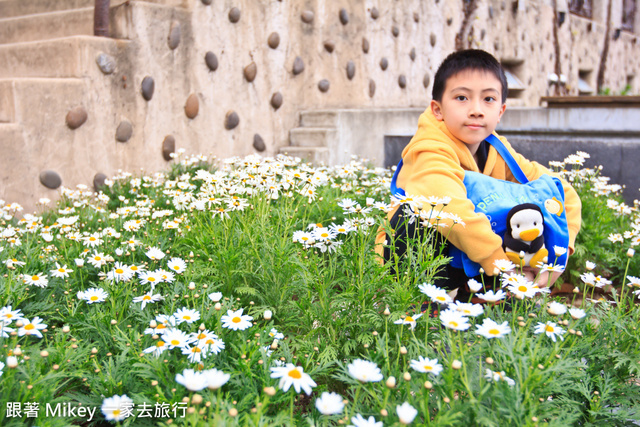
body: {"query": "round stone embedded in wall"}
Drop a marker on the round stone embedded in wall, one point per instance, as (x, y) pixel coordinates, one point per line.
(258, 143)
(490, 12)
(329, 46)
(323, 85)
(174, 35)
(76, 117)
(375, 13)
(206, 2)
(98, 181)
(106, 63)
(402, 81)
(276, 100)
(231, 120)
(274, 40)
(395, 31)
(298, 66)
(416, 17)
(426, 80)
(372, 88)
(384, 63)
(211, 60)
(412, 54)
(234, 15)
(449, 21)
(192, 106)
(124, 131)
(50, 179)
(307, 16)
(168, 147)
(365, 45)
(432, 39)
(344, 16)
(250, 72)
(351, 70)
(147, 88)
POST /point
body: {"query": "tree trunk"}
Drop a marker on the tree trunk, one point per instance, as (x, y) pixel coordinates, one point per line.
(101, 18)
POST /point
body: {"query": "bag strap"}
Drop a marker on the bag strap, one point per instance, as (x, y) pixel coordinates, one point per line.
(394, 187)
(508, 158)
(500, 148)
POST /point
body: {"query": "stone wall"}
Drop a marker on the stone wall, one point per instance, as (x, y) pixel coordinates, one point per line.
(231, 76)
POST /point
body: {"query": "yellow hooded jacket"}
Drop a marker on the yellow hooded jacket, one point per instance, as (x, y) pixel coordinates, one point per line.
(434, 163)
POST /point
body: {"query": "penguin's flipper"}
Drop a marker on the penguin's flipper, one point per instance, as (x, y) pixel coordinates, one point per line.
(515, 258)
(539, 257)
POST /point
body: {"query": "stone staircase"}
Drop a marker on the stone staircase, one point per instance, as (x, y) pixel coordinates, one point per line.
(48, 55)
(312, 140)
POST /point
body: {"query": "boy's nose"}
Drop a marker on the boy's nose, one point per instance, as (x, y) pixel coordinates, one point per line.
(475, 110)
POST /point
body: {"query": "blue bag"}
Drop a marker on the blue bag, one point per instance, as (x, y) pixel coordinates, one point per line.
(495, 198)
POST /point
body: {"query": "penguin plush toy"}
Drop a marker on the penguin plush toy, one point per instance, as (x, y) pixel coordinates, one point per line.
(525, 225)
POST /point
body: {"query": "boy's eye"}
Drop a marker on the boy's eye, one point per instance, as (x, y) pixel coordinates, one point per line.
(489, 99)
(461, 98)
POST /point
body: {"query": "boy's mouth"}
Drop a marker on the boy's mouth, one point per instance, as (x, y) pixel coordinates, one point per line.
(474, 126)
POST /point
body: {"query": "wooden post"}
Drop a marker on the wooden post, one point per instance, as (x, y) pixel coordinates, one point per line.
(101, 18)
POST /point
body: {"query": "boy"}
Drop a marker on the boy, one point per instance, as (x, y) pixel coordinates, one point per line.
(469, 94)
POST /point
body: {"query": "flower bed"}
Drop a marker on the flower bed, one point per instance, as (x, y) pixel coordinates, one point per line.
(250, 294)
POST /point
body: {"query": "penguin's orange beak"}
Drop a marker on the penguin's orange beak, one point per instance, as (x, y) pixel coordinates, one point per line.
(529, 235)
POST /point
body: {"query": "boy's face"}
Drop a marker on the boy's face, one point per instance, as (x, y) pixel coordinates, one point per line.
(471, 106)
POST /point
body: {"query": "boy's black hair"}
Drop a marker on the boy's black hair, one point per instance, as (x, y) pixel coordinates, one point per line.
(470, 59)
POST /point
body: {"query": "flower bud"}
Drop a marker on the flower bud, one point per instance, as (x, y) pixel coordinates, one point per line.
(630, 252)
(489, 360)
(391, 382)
(66, 329)
(384, 412)
(218, 306)
(12, 362)
(386, 312)
(153, 324)
(269, 391)
(44, 353)
(428, 385)
(406, 376)
(456, 364)
(196, 399)
(233, 412)
(268, 314)
(403, 350)
(192, 286)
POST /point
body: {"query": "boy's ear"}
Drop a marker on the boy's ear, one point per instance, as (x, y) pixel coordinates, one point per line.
(504, 107)
(436, 109)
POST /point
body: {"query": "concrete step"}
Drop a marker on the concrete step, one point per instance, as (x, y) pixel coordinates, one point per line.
(315, 155)
(16, 183)
(321, 118)
(36, 102)
(45, 26)
(65, 57)
(312, 136)
(15, 8)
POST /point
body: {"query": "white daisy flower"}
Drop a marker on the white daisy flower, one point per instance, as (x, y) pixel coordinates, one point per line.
(148, 298)
(32, 327)
(330, 403)
(186, 315)
(496, 376)
(97, 260)
(504, 265)
(468, 309)
(490, 329)
(92, 240)
(157, 349)
(295, 376)
(409, 320)
(61, 272)
(150, 277)
(154, 254)
(406, 413)
(192, 380)
(556, 309)
(7, 315)
(176, 338)
(426, 365)
(550, 329)
(577, 313)
(215, 378)
(215, 296)
(39, 280)
(236, 320)
(92, 295)
(474, 285)
(117, 408)
(491, 296)
(453, 319)
(364, 371)
(359, 421)
(195, 353)
(177, 265)
(120, 272)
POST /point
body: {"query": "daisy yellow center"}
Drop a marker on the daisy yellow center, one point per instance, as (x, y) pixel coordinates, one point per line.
(159, 343)
(116, 412)
(98, 258)
(94, 298)
(236, 319)
(522, 288)
(92, 238)
(494, 332)
(440, 298)
(196, 350)
(35, 278)
(61, 270)
(29, 327)
(161, 326)
(428, 368)
(294, 373)
(151, 279)
(175, 342)
(134, 268)
(549, 329)
(8, 315)
(454, 324)
(201, 336)
(210, 341)
(146, 298)
(325, 234)
(177, 267)
(466, 311)
(119, 270)
(186, 317)
(305, 238)
(408, 319)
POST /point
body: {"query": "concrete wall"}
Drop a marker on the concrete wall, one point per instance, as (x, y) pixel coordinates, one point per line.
(40, 83)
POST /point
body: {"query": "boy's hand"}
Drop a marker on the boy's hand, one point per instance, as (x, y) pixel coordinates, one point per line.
(543, 280)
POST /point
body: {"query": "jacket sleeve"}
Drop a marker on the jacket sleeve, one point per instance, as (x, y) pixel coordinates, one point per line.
(433, 169)
(572, 203)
